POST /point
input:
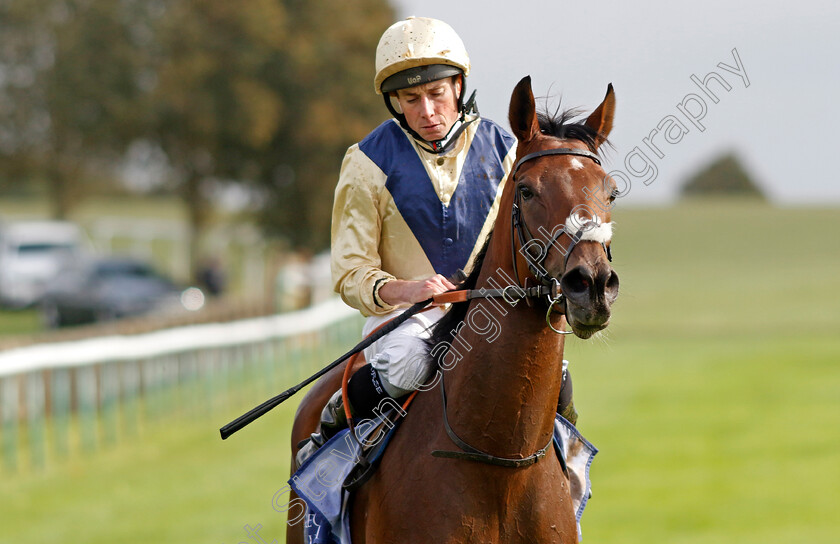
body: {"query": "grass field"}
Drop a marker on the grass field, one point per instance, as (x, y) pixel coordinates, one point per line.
(714, 399)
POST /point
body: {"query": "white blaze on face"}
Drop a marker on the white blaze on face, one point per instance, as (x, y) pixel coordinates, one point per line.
(576, 164)
(597, 230)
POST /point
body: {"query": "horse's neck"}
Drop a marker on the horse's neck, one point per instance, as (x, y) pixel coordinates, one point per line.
(503, 393)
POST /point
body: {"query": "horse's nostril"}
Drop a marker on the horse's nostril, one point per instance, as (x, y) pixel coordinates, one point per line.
(612, 281)
(575, 282)
(611, 286)
(581, 285)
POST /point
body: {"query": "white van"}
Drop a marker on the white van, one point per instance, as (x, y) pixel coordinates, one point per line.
(31, 255)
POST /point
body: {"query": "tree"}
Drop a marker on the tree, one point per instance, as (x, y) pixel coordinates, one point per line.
(267, 93)
(212, 110)
(725, 176)
(69, 87)
(327, 77)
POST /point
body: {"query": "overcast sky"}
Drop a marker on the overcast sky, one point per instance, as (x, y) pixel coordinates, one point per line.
(782, 124)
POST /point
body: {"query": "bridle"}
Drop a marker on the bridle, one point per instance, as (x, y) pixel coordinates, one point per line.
(548, 287)
(519, 232)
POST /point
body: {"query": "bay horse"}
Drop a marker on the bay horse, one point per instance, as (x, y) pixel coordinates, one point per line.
(503, 371)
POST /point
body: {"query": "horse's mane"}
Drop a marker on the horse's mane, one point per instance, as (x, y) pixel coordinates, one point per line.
(561, 124)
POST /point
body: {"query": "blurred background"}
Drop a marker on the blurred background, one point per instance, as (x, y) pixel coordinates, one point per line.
(166, 179)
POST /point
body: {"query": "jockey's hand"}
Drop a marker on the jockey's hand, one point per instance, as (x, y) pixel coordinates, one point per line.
(397, 292)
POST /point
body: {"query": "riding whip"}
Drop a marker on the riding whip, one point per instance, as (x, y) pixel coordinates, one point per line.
(264, 408)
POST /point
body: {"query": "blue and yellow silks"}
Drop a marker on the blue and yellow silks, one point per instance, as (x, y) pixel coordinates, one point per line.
(401, 212)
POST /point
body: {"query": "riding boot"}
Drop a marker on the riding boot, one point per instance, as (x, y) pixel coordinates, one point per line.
(566, 404)
(333, 419)
(365, 392)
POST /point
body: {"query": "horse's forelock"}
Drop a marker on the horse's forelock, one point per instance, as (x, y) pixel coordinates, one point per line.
(562, 124)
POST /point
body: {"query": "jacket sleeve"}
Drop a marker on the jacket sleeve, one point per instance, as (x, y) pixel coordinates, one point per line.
(356, 229)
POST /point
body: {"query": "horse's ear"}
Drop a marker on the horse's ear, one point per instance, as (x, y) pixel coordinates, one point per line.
(523, 111)
(602, 118)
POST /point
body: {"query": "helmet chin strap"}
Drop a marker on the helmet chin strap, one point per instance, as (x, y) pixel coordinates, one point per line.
(444, 144)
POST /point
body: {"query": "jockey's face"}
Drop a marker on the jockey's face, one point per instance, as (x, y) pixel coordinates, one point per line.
(432, 108)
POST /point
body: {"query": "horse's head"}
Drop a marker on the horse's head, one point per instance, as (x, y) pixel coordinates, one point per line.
(561, 202)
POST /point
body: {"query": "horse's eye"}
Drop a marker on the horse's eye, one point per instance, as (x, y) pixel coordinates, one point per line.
(525, 192)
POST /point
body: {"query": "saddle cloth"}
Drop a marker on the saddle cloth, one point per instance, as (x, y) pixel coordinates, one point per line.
(318, 481)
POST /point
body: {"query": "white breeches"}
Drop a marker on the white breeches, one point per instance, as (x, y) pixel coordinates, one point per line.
(401, 357)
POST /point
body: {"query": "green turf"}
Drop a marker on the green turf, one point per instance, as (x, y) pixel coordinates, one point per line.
(20, 322)
(179, 483)
(714, 399)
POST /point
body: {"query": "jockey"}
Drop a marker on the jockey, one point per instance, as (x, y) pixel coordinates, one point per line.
(415, 201)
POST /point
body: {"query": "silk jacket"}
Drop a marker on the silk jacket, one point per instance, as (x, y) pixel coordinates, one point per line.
(401, 212)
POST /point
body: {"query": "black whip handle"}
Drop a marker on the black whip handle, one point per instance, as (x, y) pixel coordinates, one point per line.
(271, 403)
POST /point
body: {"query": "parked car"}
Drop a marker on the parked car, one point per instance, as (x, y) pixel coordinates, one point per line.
(31, 254)
(109, 288)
